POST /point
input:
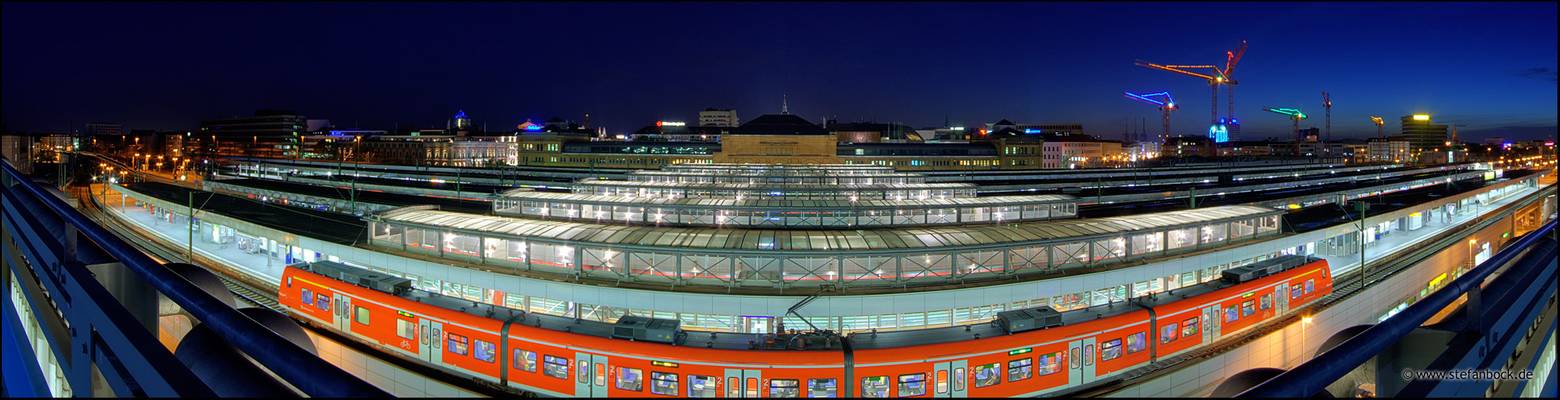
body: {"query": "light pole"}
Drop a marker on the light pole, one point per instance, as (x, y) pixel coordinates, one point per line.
(1304, 322)
(1359, 206)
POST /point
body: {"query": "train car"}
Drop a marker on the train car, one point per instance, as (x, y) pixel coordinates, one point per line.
(1244, 297)
(545, 354)
(989, 361)
(642, 357)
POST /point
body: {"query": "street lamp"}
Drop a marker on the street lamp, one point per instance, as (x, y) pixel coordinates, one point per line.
(1361, 207)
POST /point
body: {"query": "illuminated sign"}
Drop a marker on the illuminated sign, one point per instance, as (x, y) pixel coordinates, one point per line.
(958, 128)
(404, 314)
(670, 123)
(666, 364)
(1025, 350)
(1031, 131)
(1421, 117)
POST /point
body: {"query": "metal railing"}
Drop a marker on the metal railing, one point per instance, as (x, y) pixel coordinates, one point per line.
(96, 337)
(1312, 377)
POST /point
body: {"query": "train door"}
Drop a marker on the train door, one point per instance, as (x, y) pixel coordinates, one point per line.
(590, 376)
(949, 379)
(431, 341)
(745, 383)
(1080, 362)
(1210, 320)
(1281, 296)
(343, 313)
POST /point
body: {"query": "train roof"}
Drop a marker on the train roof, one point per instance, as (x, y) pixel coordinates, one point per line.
(402, 287)
(882, 340)
(1171, 296)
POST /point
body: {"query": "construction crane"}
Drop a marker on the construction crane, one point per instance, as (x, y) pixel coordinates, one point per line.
(1380, 125)
(1294, 114)
(1165, 107)
(1231, 59)
(1214, 78)
(1327, 105)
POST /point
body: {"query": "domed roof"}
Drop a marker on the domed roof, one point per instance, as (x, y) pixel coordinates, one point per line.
(779, 124)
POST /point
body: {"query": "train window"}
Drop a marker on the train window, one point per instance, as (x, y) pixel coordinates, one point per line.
(289, 281)
(362, 315)
(822, 388)
(1231, 314)
(1247, 308)
(1051, 363)
(1189, 327)
(987, 375)
(874, 386)
(752, 387)
(1267, 301)
(1310, 286)
(525, 360)
(630, 379)
(702, 386)
(958, 379)
(582, 371)
(663, 383)
(556, 367)
(911, 385)
(733, 387)
(484, 351)
(1169, 333)
(307, 298)
(1137, 342)
(1020, 369)
(1110, 350)
(1294, 292)
(457, 344)
(785, 388)
(405, 329)
(322, 302)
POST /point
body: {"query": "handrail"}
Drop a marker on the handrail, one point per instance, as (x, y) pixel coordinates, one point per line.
(1313, 376)
(298, 367)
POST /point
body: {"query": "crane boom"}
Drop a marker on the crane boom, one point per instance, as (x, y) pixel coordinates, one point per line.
(1181, 69)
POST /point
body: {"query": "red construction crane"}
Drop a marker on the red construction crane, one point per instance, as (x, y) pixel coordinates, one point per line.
(1214, 78)
(1231, 59)
(1327, 105)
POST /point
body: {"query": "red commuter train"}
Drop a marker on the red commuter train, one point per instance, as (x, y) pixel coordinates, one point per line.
(1046, 353)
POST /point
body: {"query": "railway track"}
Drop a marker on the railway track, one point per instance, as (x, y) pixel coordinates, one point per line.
(260, 297)
(162, 253)
(1344, 286)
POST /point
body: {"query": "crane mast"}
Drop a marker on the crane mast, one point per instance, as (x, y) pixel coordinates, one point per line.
(1165, 107)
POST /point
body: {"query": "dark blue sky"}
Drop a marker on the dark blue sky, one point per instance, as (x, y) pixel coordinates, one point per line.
(1488, 67)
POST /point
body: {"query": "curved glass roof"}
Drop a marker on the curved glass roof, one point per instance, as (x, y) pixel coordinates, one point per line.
(888, 239)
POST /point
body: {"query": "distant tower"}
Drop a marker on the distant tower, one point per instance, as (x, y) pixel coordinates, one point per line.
(784, 108)
(586, 124)
(462, 122)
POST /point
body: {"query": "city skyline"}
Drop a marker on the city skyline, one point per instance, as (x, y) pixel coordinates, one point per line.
(170, 66)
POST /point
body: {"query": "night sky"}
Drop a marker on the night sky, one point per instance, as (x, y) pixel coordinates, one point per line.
(1489, 68)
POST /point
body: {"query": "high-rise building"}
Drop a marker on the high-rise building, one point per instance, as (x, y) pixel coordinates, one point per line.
(1423, 135)
(103, 129)
(719, 117)
(269, 133)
